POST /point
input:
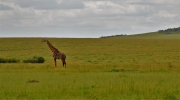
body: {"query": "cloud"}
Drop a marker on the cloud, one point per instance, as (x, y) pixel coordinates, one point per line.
(71, 4)
(89, 18)
(4, 7)
(51, 4)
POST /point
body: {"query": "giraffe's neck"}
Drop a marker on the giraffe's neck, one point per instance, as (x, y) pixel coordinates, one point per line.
(53, 49)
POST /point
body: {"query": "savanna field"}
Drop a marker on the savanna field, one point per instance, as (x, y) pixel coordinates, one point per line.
(132, 67)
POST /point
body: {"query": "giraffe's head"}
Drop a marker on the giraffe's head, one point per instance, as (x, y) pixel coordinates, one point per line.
(44, 40)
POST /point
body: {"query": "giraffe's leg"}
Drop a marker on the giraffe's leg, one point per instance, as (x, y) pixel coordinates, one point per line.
(63, 62)
(55, 62)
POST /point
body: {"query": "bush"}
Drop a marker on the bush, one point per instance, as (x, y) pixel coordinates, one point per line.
(35, 59)
(11, 60)
(114, 70)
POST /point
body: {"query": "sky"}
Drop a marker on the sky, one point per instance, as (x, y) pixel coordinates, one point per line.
(86, 18)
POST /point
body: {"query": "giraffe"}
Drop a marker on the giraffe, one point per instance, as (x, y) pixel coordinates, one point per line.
(56, 53)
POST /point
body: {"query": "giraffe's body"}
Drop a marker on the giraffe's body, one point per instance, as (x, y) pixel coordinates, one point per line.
(56, 53)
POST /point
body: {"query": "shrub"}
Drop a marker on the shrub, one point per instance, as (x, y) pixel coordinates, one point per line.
(114, 70)
(35, 59)
(11, 60)
(2, 60)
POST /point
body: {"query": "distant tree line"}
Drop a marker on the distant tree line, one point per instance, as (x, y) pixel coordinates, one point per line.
(113, 36)
(170, 31)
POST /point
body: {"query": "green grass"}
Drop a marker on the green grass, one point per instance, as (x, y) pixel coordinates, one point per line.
(109, 68)
(91, 85)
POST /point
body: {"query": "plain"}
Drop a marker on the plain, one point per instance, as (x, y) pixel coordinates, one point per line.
(103, 68)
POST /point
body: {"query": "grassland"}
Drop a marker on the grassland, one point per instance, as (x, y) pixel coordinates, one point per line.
(108, 68)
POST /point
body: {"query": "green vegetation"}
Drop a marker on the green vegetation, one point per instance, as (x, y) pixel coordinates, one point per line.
(90, 85)
(113, 36)
(170, 31)
(106, 68)
(11, 60)
(35, 59)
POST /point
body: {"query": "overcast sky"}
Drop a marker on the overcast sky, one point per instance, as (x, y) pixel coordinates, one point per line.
(86, 18)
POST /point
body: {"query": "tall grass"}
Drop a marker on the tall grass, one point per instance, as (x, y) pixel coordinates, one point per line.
(103, 85)
(125, 68)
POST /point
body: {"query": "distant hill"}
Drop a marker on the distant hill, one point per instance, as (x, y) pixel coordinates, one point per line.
(154, 35)
(170, 33)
